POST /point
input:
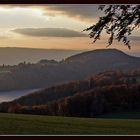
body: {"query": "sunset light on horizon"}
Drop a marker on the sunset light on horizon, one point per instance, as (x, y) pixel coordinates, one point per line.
(54, 27)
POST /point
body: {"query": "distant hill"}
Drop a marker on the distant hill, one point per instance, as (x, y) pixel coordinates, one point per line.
(99, 55)
(101, 60)
(76, 67)
(13, 56)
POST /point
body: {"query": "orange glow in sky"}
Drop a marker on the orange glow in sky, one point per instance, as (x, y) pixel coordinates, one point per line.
(72, 19)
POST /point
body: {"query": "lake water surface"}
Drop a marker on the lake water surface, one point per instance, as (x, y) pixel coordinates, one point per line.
(11, 95)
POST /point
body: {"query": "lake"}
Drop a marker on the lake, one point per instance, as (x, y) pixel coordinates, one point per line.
(11, 95)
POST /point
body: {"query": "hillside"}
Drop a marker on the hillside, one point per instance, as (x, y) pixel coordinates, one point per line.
(105, 58)
(106, 92)
(77, 67)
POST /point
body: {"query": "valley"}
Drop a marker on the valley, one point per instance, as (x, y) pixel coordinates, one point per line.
(46, 73)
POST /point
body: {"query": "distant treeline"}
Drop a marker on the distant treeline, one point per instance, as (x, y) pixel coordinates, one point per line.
(110, 91)
(48, 73)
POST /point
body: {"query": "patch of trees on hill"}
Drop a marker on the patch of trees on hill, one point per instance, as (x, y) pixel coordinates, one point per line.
(106, 92)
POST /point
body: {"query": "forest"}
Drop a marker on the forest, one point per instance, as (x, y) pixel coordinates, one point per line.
(106, 92)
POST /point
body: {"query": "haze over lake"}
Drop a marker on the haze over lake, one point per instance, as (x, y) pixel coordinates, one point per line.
(11, 95)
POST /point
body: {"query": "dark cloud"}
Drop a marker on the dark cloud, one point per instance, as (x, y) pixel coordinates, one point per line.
(81, 11)
(49, 32)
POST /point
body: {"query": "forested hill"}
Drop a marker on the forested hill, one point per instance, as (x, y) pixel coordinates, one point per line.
(110, 91)
(47, 73)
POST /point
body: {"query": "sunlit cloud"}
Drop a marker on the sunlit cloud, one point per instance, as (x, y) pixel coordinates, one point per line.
(86, 12)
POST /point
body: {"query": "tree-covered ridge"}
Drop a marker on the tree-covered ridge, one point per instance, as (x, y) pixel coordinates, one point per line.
(110, 91)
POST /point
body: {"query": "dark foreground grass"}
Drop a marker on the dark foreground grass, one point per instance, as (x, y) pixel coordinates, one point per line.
(50, 125)
(122, 115)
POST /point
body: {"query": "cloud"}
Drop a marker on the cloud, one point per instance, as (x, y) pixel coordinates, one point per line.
(81, 11)
(134, 38)
(84, 12)
(49, 32)
(3, 37)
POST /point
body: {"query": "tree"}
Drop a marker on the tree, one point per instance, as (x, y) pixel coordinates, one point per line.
(118, 21)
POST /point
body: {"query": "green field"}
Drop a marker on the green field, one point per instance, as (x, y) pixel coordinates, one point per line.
(50, 125)
(122, 115)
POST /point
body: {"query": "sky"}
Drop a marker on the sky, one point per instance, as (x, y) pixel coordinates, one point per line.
(54, 26)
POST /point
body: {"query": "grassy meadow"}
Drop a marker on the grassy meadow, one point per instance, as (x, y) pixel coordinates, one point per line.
(17, 124)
